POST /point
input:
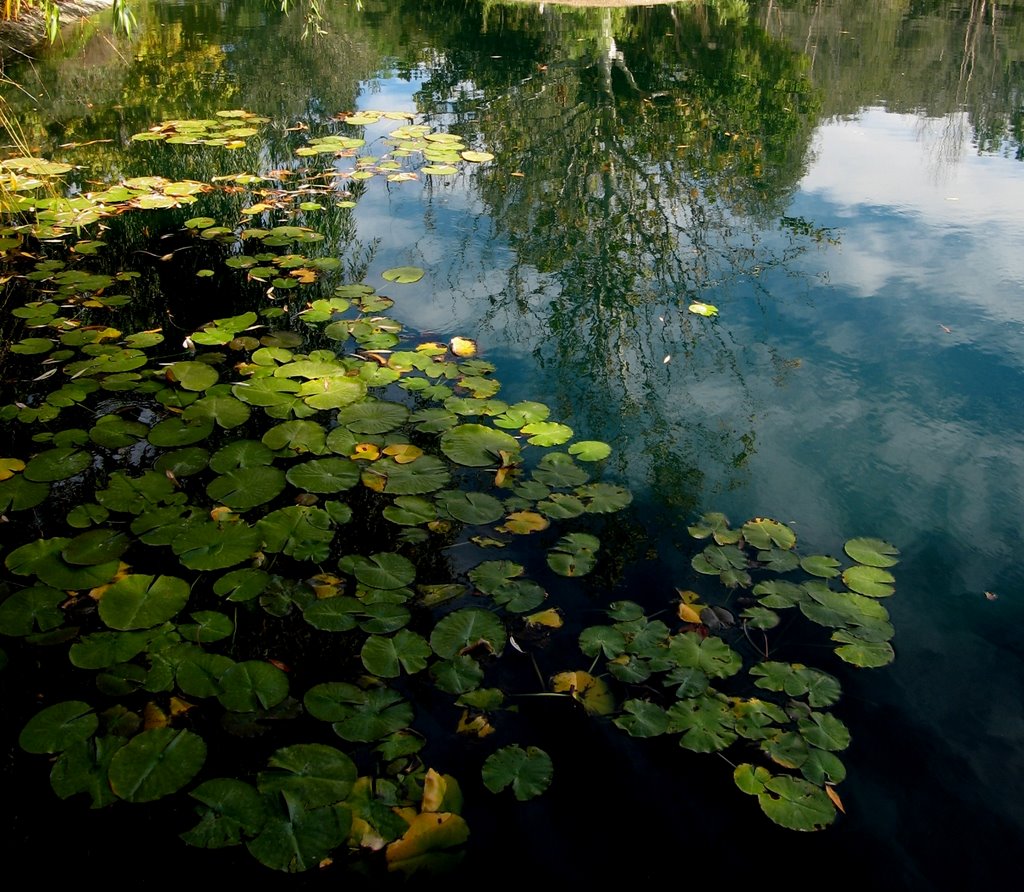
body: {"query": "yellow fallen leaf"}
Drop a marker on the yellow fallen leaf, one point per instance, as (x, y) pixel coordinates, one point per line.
(463, 347)
(834, 796)
(403, 453)
(551, 618)
(523, 523)
(365, 452)
(179, 706)
(153, 717)
(688, 615)
(592, 692)
(426, 833)
(478, 726)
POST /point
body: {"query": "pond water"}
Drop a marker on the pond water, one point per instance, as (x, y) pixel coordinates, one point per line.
(844, 182)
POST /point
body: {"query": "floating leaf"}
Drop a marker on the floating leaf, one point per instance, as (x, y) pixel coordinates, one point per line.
(574, 554)
(591, 692)
(528, 771)
(590, 450)
(140, 602)
(477, 446)
(56, 464)
(868, 580)
(642, 719)
(311, 775)
(470, 507)
(59, 726)
(403, 275)
(252, 685)
(821, 565)
(30, 610)
(156, 763)
(232, 811)
(427, 833)
(465, 629)
(384, 656)
(796, 804)
(872, 552)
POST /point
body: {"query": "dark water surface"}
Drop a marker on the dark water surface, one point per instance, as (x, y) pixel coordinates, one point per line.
(844, 181)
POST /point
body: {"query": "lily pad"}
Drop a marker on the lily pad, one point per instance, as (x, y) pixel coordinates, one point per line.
(467, 628)
(872, 552)
(232, 810)
(386, 657)
(796, 804)
(252, 685)
(477, 446)
(527, 771)
(141, 602)
(403, 275)
(156, 763)
(869, 580)
(59, 726)
(311, 775)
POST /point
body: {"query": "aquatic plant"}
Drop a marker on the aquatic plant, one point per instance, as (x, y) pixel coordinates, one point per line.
(257, 530)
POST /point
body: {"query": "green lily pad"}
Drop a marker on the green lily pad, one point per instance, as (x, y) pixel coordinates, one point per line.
(427, 474)
(386, 657)
(871, 581)
(241, 454)
(179, 432)
(867, 654)
(83, 768)
(872, 552)
(207, 626)
(403, 275)
(192, 375)
(527, 771)
(19, 494)
(574, 554)
(232, 810)
(603, 498)
(183, 462)
(410, 511)
(243, 489)
(300, 839)
(605, 640)
(113, 432)
(221, 409)
(156, 763)
(141, 602)
(642, 719)
(558, 469)
(59, 726)
(210, 546)
(372, 416)
(304, 533)
(385, 570)
(470, 507)
(324, 475)
(96, 547)
(763, 533)
(467, 628)
(821, 565)
(31, 610)
(590, 450)
(56, 464)
(477, 446)
(705, 722)
(252, 685)
(242, 585)
(311, 775)
(358, 715)
(796, 804)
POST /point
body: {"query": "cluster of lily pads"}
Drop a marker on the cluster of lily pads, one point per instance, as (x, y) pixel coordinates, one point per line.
(309, 468)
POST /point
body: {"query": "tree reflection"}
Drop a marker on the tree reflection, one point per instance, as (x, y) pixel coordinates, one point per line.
(658, 149)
